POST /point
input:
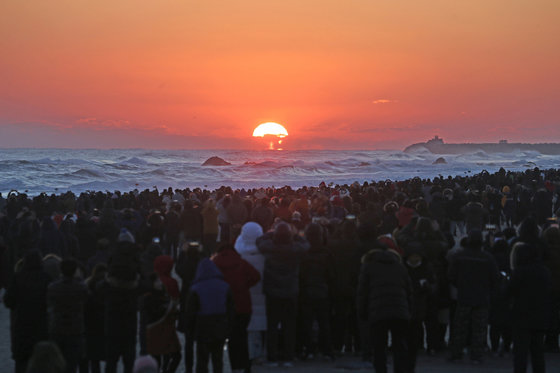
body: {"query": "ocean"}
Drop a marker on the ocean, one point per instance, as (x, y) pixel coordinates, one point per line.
(59, 170)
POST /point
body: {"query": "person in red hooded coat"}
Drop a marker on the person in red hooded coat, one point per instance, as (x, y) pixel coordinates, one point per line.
(163, 332)
(241, 276)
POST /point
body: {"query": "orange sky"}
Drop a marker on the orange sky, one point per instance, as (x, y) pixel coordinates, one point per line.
(338, 74)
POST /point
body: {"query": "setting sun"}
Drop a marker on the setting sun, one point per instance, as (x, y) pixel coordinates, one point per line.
(270, 128)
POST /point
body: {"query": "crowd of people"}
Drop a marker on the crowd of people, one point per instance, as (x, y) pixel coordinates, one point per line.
(447, 265)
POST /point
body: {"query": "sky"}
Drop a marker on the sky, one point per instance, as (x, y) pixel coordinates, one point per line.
(353, 74)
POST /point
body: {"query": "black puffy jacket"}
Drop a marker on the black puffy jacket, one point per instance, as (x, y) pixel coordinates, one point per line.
(66, 299)
(384, 289)
(282, 265)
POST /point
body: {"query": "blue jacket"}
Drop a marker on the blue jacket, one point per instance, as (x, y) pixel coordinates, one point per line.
(210, 308)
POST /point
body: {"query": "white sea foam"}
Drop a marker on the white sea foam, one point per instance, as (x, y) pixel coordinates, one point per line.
(57, 170)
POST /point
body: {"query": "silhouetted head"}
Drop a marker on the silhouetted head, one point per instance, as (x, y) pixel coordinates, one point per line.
(528, 230)
(474, 239)
(68, 267)
(282, 234)
(315, 235)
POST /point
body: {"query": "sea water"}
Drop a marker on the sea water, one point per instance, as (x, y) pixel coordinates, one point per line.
(78, 170)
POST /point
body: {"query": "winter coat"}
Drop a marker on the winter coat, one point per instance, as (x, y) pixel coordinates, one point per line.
(191, 223)
(423, 280)
(209, 219)
(163, 265)
(210, 308)
(246, 246)
(551, 236)
(316, 273)
(121, 305)
(94, 318)
(264, 216)
(124, 263)
(282, 265)
(530, 290)
(26, 297)
(186, 266)
(86, 234)
(240, 275)
(153, 305)
(405, 215)
(147, 260)
(346, 255)
(66, 298)
(237, 212)
(384, 289)
(475, 274)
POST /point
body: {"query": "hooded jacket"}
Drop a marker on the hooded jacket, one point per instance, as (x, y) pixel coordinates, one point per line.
(240, 275)
(163, 265)
(210, 308)
(384, 289)
(246, 246)
(283, 253)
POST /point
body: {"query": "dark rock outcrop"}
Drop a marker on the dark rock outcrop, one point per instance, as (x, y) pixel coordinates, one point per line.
(440, 160)
(215, 161)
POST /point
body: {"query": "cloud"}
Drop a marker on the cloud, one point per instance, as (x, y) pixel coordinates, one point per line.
(384, 101)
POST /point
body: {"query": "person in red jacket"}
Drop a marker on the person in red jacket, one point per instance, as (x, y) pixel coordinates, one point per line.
(241, 276)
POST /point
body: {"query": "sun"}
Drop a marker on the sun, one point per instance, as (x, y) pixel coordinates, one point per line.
(270, 128)
(272, 134)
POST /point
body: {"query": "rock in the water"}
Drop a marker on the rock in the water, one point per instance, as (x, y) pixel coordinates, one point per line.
(440, 160)
(215, 161)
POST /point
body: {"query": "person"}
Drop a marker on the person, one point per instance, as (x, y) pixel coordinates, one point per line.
(316, 282)
(94, 321)
(65, 301)
(283, 252)
(210, 227)
(51, 240)
(167, 347)
(237, 215)
(223, 217)
(551, 237)
(26, 297)
(529, 289)
(475, 274)
(186, 266)
(423, 282)
(46, 358)
(246, 246)
(384, 299)
(345, 249)
(209, 315)
(263, 214)
(119, 292)
(241, 276)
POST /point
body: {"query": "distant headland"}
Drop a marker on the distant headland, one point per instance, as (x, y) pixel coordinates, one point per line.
(438, 146)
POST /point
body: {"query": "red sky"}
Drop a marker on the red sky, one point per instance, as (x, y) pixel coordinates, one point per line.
(337, 74)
